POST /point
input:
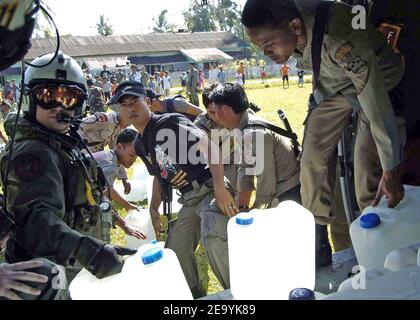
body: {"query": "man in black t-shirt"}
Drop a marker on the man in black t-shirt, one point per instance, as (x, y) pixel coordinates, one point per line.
(177, 152)
(105, 74)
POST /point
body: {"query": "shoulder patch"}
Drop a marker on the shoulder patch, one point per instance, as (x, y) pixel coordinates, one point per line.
(344, 52)
(29, 167)
(357, 65)
(102, 117)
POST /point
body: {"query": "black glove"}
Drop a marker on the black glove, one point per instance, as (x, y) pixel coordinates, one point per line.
(122, 251)
(101, 259)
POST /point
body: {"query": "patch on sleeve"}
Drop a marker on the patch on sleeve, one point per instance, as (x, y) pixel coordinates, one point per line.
(344, 52)
(357, 65)
(102, 117)
(29, 167)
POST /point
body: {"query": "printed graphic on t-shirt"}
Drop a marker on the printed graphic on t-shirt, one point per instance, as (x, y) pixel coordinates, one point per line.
(166, 164)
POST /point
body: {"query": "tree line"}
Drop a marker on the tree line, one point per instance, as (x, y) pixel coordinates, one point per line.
(214, 15)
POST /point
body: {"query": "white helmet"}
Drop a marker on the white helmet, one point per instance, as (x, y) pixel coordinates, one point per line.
(64, 75)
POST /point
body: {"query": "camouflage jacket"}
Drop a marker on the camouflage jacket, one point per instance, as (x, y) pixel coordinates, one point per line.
(96, 100)
(53, 193)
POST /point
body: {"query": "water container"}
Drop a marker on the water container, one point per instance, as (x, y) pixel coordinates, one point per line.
(404, 257)
(153, 273)
(380, 284)
(138, 185)
(380, 230)
(302, 294)
(139, 220)
(271, 252)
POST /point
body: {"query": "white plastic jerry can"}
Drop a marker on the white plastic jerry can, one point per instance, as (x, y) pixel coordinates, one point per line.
(379, 230)
(271, 252)
(153, 273)
(140, 220)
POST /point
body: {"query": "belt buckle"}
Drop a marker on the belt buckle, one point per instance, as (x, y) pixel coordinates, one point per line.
(186, 189)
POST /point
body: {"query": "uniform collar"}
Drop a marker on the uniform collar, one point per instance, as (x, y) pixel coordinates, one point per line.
(308, 20)
(244, 120)
(117, 118)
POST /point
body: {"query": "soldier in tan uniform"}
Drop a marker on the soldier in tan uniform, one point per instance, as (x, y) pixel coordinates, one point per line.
(192, 83)
(357, 71)
(208, 122)
(101, 129)
(278, 179)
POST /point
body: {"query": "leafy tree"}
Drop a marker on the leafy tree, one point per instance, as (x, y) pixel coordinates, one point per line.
(200, 18)
(216, 15)
(162, 24)
(103, 27)
(42, 27)
(228, 16)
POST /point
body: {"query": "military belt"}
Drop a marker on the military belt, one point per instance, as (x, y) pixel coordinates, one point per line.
(199, 181)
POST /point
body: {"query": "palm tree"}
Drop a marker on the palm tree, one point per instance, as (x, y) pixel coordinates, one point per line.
(104, 29)
(162, 24)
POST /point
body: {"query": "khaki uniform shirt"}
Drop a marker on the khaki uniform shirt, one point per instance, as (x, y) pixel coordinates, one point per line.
(281, 169)
(192, 81)
(360, 65)
(101, 129)
(107, 160)
(230, 166)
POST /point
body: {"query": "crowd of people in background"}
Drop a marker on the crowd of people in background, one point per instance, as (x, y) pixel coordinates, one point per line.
(9, 96)
(102, 84)
(107, 80)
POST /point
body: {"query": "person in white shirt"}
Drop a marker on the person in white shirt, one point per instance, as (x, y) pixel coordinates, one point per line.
(166, 84)
(238, 78)
(134, 75)
(107, 87)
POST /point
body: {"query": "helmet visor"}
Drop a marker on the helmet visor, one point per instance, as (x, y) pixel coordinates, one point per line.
(49, 96)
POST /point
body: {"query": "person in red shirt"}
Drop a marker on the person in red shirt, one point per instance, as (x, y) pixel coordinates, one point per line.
(285, 73)
(263, 75)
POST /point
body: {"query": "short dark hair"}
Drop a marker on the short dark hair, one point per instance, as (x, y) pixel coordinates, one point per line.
(126, 136)
(151, 94)
(272, 13)
(232, 95)
(206, 94)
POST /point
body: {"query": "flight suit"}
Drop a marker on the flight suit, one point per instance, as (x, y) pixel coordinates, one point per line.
(54, 190)
(96, 100)
(199, 218)
(107, 160)
(357, 71)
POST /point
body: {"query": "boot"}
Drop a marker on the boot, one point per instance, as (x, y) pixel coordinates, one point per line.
(198, 292)
(323, 253)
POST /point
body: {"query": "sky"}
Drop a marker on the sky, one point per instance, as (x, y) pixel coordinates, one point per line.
(79, 17)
